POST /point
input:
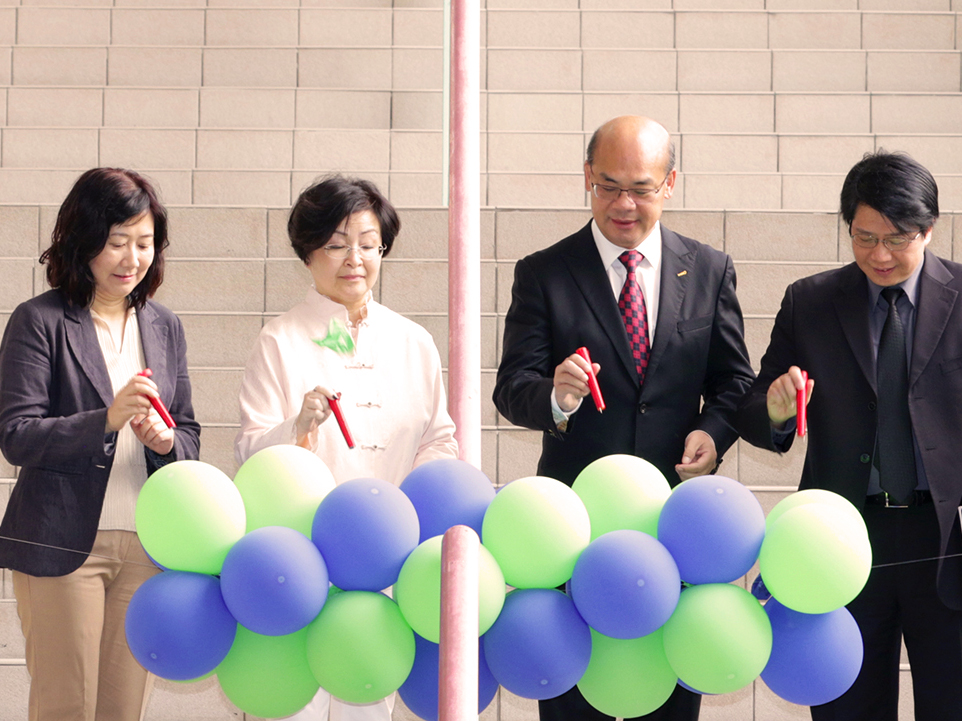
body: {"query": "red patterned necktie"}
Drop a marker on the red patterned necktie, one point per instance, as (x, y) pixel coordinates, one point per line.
(631, 302)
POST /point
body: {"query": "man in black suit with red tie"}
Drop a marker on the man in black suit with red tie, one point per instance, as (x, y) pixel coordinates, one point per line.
(881, 341)
(658, 313)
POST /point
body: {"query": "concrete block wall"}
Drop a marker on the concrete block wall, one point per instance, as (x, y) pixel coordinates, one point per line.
(233, 106)
(232, 103)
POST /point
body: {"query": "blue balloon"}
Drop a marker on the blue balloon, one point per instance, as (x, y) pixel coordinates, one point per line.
(539, 647)
(365, 529)
(815, 657)
(420, 691)
(274, 581)
(625, 584)
(713, 527)
(448, 492)
(178, 626)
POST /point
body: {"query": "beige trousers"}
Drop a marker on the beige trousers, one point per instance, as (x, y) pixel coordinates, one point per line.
(80, 666)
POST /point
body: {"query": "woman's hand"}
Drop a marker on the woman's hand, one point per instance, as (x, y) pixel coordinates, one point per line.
(151, 430)
(314, 411)
(131, 401)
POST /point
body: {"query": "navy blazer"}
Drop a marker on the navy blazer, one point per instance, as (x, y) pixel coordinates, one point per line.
(697, 371)
(823, 327)
(54, 395)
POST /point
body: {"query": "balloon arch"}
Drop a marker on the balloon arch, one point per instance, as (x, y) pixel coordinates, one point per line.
(281, 582)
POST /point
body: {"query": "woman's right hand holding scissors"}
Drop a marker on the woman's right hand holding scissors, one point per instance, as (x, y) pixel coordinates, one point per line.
(315, 409)
(130, 402)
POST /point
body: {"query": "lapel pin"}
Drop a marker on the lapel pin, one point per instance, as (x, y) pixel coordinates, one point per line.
(684, 272)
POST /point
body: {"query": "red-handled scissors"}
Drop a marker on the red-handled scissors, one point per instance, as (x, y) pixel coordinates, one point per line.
(592, 380)
(801, 419)
(335, 404)
(157, 403)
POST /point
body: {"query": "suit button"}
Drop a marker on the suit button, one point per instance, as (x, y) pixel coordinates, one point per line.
(871, 406)
(642, 408)
(865, 458)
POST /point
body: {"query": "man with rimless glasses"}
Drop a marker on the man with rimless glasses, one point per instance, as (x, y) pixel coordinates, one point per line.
(658, 314)
(881, 341)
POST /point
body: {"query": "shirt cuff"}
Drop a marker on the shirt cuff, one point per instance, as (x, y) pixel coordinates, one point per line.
(313, 439)
(559, 416)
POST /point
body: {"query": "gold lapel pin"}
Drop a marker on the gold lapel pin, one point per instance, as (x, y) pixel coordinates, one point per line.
(684, 272)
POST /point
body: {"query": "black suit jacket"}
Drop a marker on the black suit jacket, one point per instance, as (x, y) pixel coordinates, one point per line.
(54, 395)
(562, 300)
(823, 327)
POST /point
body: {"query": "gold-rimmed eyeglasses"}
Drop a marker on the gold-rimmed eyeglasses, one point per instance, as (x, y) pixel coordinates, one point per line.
(611, 193)
(340, 252)
(894, 243)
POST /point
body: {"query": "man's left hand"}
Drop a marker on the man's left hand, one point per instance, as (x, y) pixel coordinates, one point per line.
(699, 456)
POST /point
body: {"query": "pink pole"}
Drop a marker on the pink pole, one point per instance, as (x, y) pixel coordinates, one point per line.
(458, 668)
(464, 230)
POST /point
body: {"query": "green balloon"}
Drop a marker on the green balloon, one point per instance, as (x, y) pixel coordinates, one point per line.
(622, 492)
(188, 516)
(718, 639)
(627, 677)
(418, 590)
(812, 495)
(283, 486)
(536, 528)
(816, 558)
(360, 648)
(268, 676)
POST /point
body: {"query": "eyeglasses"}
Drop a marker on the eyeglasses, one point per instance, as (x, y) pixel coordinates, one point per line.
(340, 252)
(893, 244)
(611, 193)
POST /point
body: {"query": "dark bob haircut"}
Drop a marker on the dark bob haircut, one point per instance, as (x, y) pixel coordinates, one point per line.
(321, 208)
(896, 186)
(100, 199)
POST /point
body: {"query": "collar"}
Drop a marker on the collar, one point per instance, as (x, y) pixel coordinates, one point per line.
(910, 285)
(331, 308)
(650, 247)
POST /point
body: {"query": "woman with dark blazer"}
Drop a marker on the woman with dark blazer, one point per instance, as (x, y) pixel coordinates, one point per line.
(76, 418)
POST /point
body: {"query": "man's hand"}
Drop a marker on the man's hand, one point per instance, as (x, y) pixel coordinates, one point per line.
(699, 457)
(571, 381)
(782, 394)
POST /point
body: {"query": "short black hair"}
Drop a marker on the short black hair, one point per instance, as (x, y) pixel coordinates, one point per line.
(320, 209)
(100, 199)
(895, 185)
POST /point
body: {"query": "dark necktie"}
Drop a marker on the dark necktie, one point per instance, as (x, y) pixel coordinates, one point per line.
(896, 455)
(631, 302)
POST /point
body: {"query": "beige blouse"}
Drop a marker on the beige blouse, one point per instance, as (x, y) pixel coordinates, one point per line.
(124, 359)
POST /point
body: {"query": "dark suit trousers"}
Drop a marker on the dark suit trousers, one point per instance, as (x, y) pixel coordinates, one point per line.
(682, 705)
(901, 600)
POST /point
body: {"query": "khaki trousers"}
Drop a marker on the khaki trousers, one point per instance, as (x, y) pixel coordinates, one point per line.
(80, 666)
